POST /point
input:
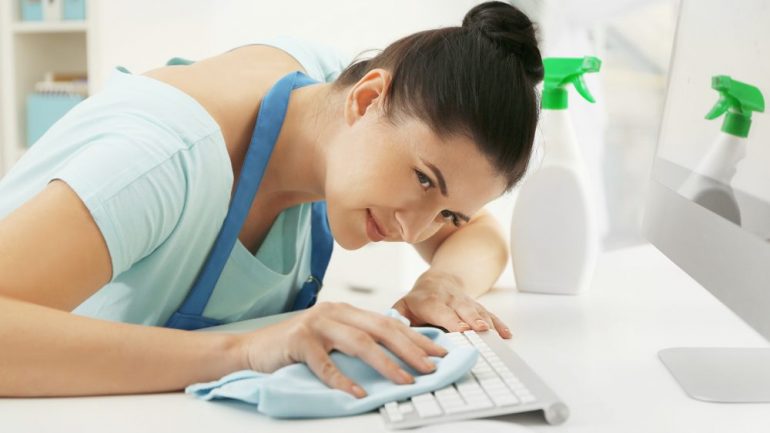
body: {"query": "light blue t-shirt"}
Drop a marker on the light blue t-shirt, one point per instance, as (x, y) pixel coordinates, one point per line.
(152, 168)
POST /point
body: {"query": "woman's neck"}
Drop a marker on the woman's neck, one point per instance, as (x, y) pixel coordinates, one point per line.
(296, 171)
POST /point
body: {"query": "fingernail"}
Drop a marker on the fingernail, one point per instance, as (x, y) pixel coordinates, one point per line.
(463, 325)
(482, 324)
(405, 377)
(440, 350)
(358, 391)
(429, 364)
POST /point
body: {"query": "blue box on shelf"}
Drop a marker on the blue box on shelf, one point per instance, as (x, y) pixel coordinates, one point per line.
(31, 10)
(74, 10)
(44, 109)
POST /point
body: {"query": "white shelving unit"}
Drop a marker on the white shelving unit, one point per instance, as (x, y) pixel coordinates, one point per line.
(27, 51)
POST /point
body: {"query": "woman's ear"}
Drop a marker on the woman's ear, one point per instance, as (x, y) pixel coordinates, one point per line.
(367, 94)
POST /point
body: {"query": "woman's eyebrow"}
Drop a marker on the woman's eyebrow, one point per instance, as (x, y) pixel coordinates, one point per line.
(439, 176)
(442, 187)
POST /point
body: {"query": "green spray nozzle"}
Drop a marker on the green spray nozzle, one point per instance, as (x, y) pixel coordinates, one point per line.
(738, 100)
(560, 71)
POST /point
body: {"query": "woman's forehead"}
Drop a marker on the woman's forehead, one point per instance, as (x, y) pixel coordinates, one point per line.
(457, 157)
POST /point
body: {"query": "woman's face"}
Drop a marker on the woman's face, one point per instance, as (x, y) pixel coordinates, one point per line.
(409, 180)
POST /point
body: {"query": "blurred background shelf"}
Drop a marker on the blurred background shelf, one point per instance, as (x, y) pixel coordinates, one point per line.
(50, 27)
(29, 50)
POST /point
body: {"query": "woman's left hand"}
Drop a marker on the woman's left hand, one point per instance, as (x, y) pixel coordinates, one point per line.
(440, 301)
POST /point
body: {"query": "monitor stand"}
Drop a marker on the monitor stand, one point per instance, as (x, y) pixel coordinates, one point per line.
(722, 374)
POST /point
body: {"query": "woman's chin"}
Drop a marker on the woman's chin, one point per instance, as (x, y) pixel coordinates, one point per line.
(348, 239)
(351, 244)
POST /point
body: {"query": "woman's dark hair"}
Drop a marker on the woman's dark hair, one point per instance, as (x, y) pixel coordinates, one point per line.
(477, 80)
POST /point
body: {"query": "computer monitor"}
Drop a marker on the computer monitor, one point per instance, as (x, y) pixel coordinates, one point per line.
(708, 206)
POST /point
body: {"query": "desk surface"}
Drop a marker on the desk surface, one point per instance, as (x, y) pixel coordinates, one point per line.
(598, 351)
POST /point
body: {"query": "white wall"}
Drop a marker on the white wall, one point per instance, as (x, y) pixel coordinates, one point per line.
(143, 34)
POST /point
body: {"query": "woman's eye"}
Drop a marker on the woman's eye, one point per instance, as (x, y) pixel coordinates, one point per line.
(425, 182)
(423, 179)
(449, 215)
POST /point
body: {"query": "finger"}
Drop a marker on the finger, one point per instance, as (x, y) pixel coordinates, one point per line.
(501, 327)
(443, 315)
(319, 362)
(408, 344)
(429, 346)
(355, 342)
(402, 340)
(486, 315)
(389, 325)
(469, 312)
(382, 326)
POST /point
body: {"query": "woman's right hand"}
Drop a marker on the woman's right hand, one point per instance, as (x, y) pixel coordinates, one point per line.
(312, 334)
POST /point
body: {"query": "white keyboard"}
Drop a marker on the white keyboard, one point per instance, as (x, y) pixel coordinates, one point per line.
(499, 384)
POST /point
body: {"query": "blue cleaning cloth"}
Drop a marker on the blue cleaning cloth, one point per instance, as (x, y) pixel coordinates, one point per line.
(295, 392)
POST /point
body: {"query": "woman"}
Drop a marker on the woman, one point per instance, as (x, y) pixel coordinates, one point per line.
(113, 213)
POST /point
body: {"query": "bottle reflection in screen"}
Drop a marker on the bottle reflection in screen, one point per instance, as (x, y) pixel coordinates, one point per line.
(709, 184)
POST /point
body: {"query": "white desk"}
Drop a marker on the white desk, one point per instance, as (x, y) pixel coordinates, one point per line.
(598, 351)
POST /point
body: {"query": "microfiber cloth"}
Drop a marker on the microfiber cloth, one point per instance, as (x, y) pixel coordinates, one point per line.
(294, 391)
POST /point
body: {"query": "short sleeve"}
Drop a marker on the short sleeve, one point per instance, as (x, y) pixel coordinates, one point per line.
(321, 62)
(135, 193)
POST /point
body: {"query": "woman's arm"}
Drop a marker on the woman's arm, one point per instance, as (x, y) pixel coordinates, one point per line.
(47, 352)
(474, 255)
(52, 257)
(464, 263)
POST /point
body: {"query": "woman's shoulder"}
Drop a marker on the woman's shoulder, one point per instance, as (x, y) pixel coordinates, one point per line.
(321, 61)
(230, 85)
(253, 68)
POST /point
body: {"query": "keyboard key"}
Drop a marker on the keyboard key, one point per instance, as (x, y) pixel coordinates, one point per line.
(393, 412)
(406, 407)
(520, 388)
(527, 398)
(480, 401)
(475, 399)
(426, 405)
(449, 399)
(485, 375)
(506, 399)
(502, 396)
(467, 378)
(497, 365)
(460, 409)
(482, 367)
(492, 383)
(469, 387)
(506, 375)
(491, 387)
(487, 352)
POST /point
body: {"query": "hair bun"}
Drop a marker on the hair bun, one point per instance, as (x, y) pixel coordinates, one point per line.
(511, 30)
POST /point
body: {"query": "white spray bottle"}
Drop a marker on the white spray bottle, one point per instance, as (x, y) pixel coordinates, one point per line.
(709, 184)
(554, 232)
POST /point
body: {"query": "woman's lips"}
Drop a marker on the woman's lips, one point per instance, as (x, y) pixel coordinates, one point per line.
(372, 229)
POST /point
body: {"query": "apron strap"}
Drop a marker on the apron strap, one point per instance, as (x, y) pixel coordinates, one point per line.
(270, 119)
(323, 243)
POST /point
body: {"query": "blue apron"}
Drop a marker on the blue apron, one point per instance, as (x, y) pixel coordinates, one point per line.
(272, 112)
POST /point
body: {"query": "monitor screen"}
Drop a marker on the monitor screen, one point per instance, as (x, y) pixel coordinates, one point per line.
(708, 206)
(727, 46)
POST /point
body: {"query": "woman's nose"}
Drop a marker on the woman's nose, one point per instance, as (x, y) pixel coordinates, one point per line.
(414, 224)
